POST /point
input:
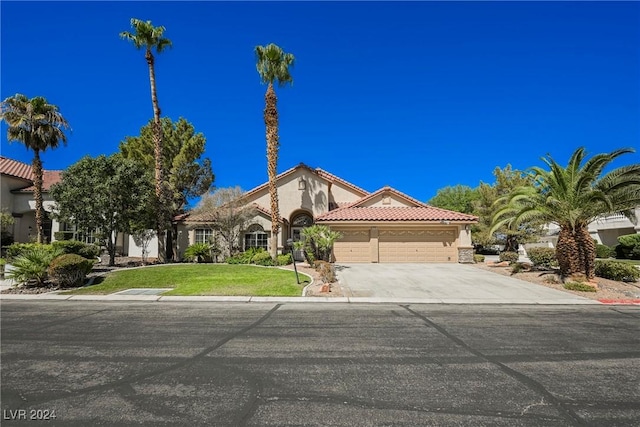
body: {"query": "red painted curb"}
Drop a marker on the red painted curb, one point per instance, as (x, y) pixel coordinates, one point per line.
(620, 301)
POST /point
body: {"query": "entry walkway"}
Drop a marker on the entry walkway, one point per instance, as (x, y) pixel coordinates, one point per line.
(445, 283)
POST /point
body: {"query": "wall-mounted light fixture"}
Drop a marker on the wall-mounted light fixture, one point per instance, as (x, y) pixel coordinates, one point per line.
(302, 184)
(467, 228)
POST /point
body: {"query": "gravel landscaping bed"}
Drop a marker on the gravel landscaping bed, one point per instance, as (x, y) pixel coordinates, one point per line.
(607, 289)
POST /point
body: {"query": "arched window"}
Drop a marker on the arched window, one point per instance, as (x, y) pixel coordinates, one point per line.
(255, 237)
(302, 220)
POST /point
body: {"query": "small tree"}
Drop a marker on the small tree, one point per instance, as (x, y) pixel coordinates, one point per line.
(318, 242)
(105, 193)
(224, 211)
(459, 198)
(489, 202)
(142, 238)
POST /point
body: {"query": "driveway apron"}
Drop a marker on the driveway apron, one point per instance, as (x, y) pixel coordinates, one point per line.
(448, 283)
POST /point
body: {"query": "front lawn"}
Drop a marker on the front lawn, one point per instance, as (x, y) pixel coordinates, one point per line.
(201, 279)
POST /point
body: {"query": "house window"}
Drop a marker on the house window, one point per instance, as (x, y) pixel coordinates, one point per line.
(255, 237)
(204, 235)
(88, 236)
(302, 220)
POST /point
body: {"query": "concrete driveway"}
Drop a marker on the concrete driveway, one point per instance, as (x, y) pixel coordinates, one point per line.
(446, 283)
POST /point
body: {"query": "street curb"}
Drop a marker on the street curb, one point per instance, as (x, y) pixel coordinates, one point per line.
(323, 300)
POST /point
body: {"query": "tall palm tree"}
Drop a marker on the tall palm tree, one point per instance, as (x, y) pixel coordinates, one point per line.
(572, 197)
(149, 38)
(39, 126)
(273, 65)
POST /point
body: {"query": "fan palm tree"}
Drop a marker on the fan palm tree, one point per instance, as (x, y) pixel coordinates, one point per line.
(273, 66)
(39, 126)
(149, 38)
(572, 197)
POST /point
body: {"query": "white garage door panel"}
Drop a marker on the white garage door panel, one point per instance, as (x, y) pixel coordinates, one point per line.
(417, 246)
(353, 247)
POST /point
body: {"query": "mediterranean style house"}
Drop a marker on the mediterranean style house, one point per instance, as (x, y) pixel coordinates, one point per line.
(17, 198)
(383, 226)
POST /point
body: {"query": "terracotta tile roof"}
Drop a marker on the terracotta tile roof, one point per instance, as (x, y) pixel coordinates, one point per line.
(320, 172)
(394, 213)
(48, 179)
(23, 171)
(15, 168)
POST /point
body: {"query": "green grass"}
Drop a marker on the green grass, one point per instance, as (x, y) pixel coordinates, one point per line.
(201, 279)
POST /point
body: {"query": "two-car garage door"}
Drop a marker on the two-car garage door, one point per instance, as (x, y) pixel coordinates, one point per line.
(397, 245)
(416, 246)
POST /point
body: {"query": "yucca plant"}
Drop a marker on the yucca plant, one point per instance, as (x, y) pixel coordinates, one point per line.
(30, 268)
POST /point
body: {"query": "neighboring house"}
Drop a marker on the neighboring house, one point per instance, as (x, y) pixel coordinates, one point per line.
(17, 198)
(383, 226)
(604, 230)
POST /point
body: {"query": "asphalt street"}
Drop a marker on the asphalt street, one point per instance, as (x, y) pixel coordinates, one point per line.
(260, 364)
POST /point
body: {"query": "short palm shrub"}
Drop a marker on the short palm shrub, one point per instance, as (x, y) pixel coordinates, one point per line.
(17, 249)
(30, 267)
(615, 270)
(543, 257)
(69, 270)
(579, 286)
(198, 252)
(284, 259)
(510, 257)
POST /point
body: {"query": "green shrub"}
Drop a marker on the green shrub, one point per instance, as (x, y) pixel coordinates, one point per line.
(629, 246)
(262, 258)
(78, 248)
(477, 258)
(579, 286)
(615, 270)
(517, 267)
(327, 271)
(543, 257)
(63, 235)
(284, 259)
(30, 267)
(245, 257)
(198, 252)
(604, 251)
(3, 262)
(69, 270)
(511, 257)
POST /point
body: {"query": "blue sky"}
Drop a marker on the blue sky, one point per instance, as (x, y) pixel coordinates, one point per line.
(415, 95)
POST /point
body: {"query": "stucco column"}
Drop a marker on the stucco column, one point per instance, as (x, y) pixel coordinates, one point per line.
(373, 242)
(465, 245)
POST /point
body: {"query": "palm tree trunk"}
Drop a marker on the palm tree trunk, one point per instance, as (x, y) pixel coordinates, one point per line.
(587, 250)
(37, 193)
(567, 251)
(271, 122)
(157, 153)
(576, 251)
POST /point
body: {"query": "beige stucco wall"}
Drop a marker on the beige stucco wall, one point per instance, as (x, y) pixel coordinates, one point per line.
(387, 200)
(314, 198)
